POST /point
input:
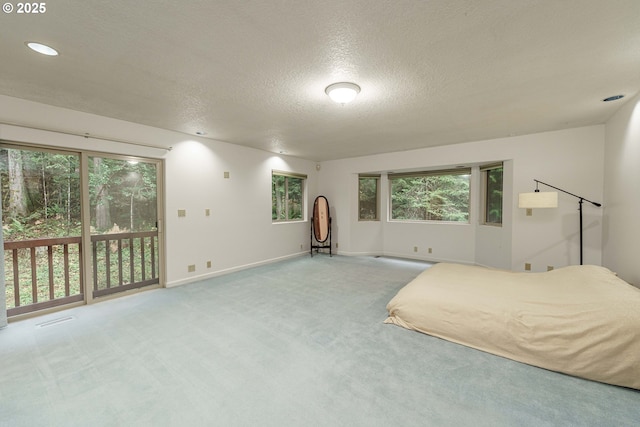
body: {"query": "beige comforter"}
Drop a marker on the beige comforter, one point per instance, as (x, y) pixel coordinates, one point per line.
(580, 320)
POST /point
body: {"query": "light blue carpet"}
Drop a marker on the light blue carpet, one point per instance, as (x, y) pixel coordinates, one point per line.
(297, 343)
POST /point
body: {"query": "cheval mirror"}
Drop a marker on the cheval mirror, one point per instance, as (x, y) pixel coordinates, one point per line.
(320, 226)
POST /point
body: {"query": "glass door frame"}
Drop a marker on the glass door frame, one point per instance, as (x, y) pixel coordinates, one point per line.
(86, 269)
(86, 222)
(51, 304)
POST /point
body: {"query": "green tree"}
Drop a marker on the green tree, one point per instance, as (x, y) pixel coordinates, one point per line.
(287, 197)
(368, 198)
(430, 198)
(493, 214)
(122, 193)
(47, 186)
(17, 206)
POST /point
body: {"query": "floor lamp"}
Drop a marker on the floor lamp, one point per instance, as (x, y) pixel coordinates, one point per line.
(539, 199)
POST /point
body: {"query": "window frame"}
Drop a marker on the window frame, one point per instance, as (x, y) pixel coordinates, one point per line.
(303, 186)
(438, 172)
(484, 200)
(376, 177)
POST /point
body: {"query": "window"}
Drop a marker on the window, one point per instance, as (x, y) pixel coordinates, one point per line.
(287, 196)
(368, 195)
(430, 196)
(492, 194)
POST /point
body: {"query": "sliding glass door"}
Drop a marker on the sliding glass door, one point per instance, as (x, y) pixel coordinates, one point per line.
(41, 226)
(76, 226)
(124, 224)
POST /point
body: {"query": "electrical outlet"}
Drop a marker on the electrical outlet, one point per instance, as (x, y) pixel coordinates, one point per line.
(527, 266)
(207, 212)
(191, 268)
(415, 249)
(336, 245)
(529, 212)
(430, 250)
(549, 267)
(208, 264)
(300, 246)
(182, 213)
(226, 175)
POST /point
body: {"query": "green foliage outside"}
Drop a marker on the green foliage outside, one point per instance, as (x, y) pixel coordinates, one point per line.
(430, 198)
(123, 192)
(41, 199)
(287, 198)
(493, 214)
(368, 198)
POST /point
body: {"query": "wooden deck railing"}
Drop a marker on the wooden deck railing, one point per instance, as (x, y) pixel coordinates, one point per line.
(43, 295)
(140, 269)
(35, 284)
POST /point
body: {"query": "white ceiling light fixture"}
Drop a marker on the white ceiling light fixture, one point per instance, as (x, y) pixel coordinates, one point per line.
(42, 48)
(343, 92)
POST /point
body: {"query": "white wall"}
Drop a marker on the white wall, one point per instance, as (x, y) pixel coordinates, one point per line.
(621, 244)
(570, 159)
(238, 233)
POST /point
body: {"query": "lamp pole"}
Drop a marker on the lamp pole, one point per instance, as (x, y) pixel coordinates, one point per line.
(580, 201)
(580, 209)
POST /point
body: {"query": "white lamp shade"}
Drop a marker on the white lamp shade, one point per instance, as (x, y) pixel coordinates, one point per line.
(343, 93)
(539, 199)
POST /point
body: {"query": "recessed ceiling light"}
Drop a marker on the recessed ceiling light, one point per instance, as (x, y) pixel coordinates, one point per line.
(42, 48)
(613, 98)
(342, 92)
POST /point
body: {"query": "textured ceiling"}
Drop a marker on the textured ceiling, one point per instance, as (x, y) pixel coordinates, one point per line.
(254, 72)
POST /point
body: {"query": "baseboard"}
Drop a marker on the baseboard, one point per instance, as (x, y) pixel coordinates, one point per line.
(401, 256)
(359, 253)
(225, 271)
(427, 259)
(406, 256)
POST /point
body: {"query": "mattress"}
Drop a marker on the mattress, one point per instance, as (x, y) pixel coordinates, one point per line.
(579, 320)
